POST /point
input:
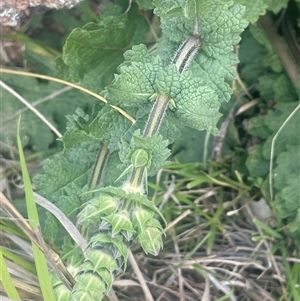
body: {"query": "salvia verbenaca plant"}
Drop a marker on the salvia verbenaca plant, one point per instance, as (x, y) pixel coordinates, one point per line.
(182, 81)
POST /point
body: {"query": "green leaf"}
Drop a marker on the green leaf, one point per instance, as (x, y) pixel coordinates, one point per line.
(94, 51)
(257, 8)
(133, 197)
(256, 163)
(157, 149)
(119, 222)
(140, 217)
(271, 59)
(251, 56)
(101, 259)
(39, 256)
(7, 281)
(220, 23)
(97, 208)
(35, 133)
(287, 166)
(108, 126)
(112, 125)
(198, 107)
(221, 19)
(135, 83)
(145, 4)
(258, 127)
(64, 179)
(89, 287)
(150, 240)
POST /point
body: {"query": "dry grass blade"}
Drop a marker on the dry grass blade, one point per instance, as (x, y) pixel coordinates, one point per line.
(35, 237)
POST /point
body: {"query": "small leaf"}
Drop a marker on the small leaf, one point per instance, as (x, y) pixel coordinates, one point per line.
(101, 259)
(151, 240)
(153, 222)
(89, 287)
(119, 221)
(102, 239)
(96, 208)
(140, 217)
(134, 197)
(139, 158)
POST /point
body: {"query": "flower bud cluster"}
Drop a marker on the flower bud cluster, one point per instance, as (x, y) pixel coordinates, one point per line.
(121, 221)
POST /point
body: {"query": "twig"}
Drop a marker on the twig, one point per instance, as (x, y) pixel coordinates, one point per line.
(219, 139)
(112, 295)
(31, 108)
(178, 219)
(136, 269)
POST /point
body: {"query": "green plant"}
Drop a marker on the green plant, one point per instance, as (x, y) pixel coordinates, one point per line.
(273, 159)
(186, 89)
(100, 179)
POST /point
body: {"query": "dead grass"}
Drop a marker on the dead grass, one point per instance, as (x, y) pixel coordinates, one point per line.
(237, 265)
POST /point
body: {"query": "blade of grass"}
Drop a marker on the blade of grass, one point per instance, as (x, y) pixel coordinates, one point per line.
(7, 281)
(17, 259)
(292, 284)
(225, 297)
(267, 229)
(39, 257)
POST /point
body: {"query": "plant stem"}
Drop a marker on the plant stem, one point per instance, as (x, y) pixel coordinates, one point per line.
(99, 166)
(156, 115)
(183, 56)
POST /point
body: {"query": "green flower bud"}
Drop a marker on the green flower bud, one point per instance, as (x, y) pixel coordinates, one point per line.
(103, 205)
(140, 217)
(139, 158)
(101, 259)
(150, 240)
(119, 222)
(89, 287)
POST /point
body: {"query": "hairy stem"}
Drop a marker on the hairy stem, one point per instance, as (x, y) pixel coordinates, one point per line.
(156, 116)
(182, 58)
(98, 168)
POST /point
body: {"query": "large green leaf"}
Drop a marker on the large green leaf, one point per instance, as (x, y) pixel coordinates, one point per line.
(92, 53)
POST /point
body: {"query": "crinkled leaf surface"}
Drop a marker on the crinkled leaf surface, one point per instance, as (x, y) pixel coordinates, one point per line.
(196, 106)
(220, 23)
(92, 53)
(63, 180)
(251, 55)
(108, 127)
(66, 176)
(257, 8)
(286, 184)
(135, 83)
(155, 146)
